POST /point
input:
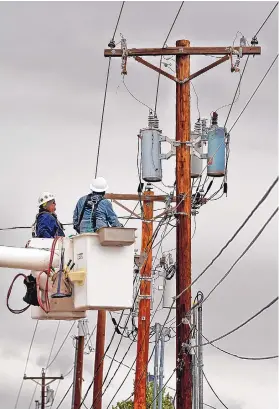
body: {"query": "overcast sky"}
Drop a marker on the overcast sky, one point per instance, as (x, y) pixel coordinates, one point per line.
(52, 84)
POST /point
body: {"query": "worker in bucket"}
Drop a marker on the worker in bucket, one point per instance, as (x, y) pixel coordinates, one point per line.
(93, 211)
(46, 224)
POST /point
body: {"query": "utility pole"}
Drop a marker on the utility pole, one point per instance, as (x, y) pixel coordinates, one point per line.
(183, 51)
(157, 338)
(99, 360)
(76, 400)
(144, 303)
(161, 368)
(43, 380)
(183, 230)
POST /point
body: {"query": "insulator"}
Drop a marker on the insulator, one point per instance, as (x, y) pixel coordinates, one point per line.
(155, 122)
(111, 44)
(243, 41)
(198, 126)
(214, 119)
(254, 41)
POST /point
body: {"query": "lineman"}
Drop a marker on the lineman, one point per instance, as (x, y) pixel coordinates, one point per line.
(46, 224)
(93, 211)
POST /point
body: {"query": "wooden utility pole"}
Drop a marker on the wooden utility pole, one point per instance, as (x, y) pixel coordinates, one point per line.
(182, 51)
(78, 366)
(99, 360)
(43, 378)
(144, 304)
(183, 230)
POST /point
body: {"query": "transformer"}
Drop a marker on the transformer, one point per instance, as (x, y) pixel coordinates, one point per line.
(216, 160)
(151, 162)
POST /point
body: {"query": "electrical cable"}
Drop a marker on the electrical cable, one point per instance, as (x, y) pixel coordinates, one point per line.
(241, 325)
(26, 364)
(263, 358)
(264, 197)
(105, 97)
(61, 346)
(242, 254)
(52, 346)
(266, 20)
(273, 62)
(214, 391)
(161, 58)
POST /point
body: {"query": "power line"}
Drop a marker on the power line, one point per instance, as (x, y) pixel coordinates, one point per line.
(263, 358)
(61, 346)
(273, 62)
(266, 20)
(54, 339)
(105, 96)
(26, 364)
(213, 391)
(161, 58)
(242, 254)
(243, 324)
(237, 88)
(264, 197)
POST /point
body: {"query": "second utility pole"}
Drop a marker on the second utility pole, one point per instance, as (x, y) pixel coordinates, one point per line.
(144, 304)
(99, 360)
(78, 366)
(183, 230)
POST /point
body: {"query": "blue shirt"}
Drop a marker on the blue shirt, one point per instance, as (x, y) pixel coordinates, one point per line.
(105, 215)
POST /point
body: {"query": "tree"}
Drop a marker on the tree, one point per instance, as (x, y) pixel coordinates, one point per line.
(167, 400)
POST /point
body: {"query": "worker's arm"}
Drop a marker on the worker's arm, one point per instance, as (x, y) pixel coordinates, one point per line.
(111, 215)
(76, 215)
(46, 226)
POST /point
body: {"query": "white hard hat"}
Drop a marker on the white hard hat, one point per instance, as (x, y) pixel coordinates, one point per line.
(99, 185)
(45, 197)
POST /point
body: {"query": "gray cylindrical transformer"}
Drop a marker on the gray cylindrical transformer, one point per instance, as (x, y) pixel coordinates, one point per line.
(150, 155)
(196, 162)
(169, 293)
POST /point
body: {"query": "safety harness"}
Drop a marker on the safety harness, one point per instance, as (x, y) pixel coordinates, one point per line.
(93, 214)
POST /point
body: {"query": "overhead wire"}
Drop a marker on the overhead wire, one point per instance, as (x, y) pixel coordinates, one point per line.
(242, 254)
(161, 58)
(26, 363)
(266, 20)
(247, 358)
(264, 197)
(219, 399)
(242, 324)
(105, 95)
(239, 116)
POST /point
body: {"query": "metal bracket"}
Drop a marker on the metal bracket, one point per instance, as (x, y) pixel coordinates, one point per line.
(175, 144)
(144, 297)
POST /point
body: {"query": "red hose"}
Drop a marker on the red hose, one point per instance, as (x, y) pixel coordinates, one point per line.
(46, 308)
(9, 294)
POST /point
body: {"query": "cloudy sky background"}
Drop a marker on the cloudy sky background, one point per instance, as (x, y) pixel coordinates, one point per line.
(52, 85)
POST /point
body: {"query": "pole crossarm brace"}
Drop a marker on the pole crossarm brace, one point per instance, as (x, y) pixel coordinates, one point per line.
(125, 208)
(136, 197)
(191, 77)
(135, 52)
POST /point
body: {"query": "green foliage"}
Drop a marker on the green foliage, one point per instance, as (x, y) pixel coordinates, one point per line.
(167, 400)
